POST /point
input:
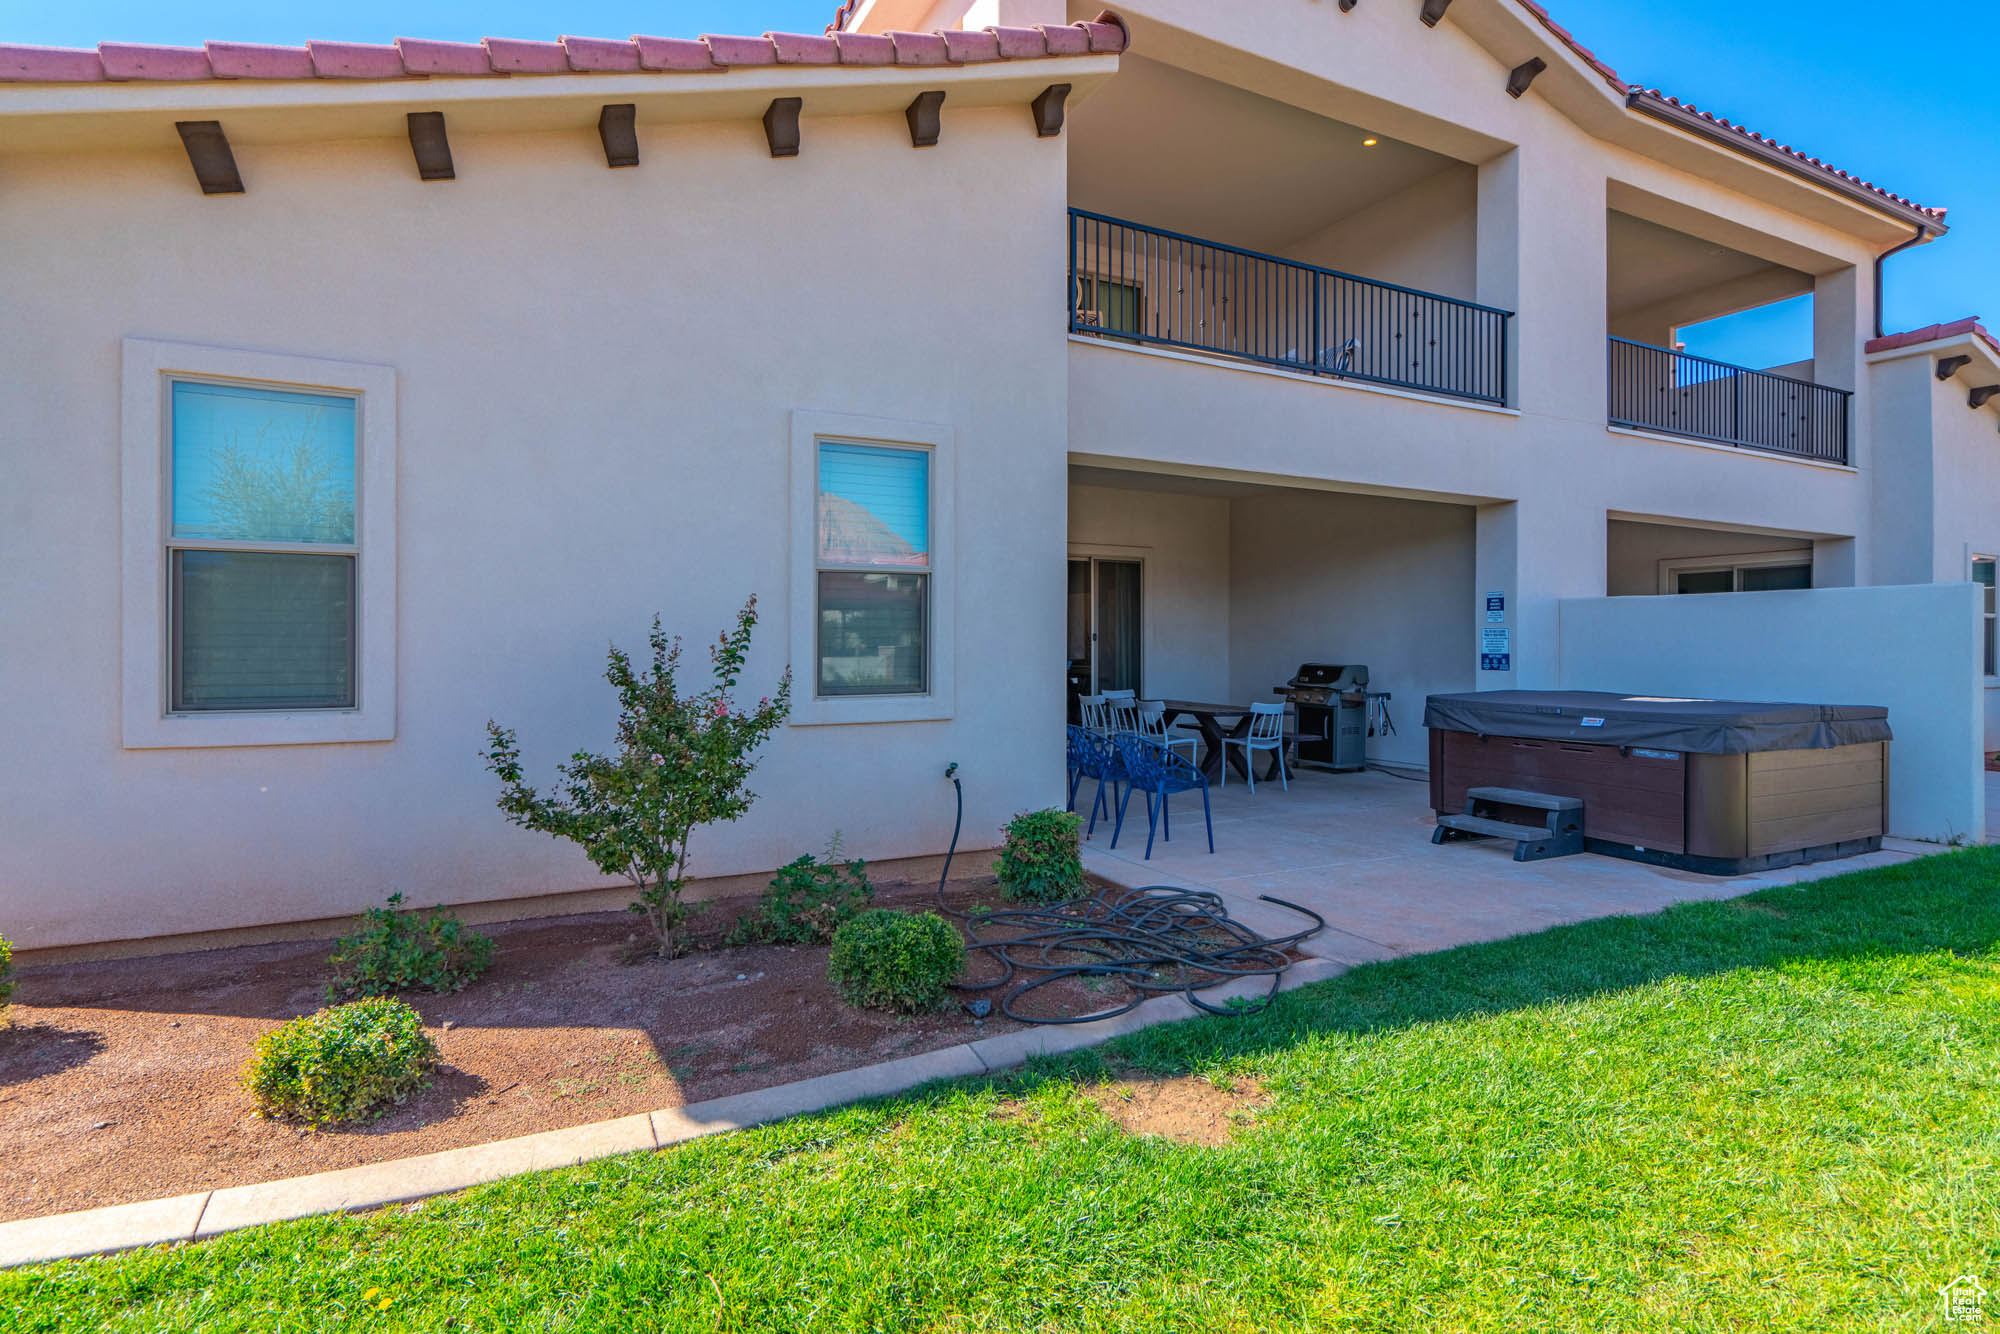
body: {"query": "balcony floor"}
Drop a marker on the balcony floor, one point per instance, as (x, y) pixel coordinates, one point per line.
(1355, 847)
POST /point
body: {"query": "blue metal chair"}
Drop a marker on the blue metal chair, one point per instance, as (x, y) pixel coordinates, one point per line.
(1091, 755)
(1158, 772)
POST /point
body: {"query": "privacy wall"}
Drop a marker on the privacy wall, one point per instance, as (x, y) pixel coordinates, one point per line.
(1912, 648)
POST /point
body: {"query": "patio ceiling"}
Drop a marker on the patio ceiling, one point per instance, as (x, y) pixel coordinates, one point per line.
(1168, 148)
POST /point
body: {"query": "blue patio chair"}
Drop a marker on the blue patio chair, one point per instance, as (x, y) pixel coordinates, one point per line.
(1158, 772)
(1091, 755)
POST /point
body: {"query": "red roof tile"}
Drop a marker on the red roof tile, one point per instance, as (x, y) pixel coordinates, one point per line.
(1935, 333)
(412, 57)
(1009, 37)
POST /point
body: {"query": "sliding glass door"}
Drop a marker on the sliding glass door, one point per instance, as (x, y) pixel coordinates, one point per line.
(1105, 630)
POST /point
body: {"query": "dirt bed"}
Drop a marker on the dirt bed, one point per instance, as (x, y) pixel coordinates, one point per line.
(118, 1079)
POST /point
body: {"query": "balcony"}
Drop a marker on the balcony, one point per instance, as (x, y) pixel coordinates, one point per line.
(1145, 285)
(1657, 389)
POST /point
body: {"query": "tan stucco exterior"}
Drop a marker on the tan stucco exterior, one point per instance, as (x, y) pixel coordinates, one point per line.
(598, 375)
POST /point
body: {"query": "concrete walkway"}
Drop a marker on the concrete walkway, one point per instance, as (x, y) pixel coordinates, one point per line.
(1356, 848)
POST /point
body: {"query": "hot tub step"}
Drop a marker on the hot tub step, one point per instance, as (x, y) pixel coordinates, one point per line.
(1559, 835)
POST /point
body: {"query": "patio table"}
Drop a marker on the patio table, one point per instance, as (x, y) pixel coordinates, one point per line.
(1208, 721)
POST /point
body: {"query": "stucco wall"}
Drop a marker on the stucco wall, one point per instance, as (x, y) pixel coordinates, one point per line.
(596, 371)
(1425, 237)
(1320, 577)
(1910, 648)
(1183, 541)
(1635, 551)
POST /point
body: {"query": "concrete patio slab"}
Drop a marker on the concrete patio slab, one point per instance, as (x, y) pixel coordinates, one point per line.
(1356, 848)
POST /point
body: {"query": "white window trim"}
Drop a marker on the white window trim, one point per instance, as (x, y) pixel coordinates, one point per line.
(1972, 556)
(809, 709)
(1679, 565)
(149, 367)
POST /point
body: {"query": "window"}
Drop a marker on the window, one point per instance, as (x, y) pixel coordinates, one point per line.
(1752, 572)
(873, 569)
(1982, 573)
(1112, 306)
(259, 548)
(871, 588)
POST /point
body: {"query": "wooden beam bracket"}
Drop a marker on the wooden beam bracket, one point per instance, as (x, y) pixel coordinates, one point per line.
(1977, 398)
(1950, 366)
(430, 147)
(208, 153)
(1048, 110)
(926, 123)
(617, 129)
(1433, 11)
(1524, 74)
(781, 126)
(1347, 6)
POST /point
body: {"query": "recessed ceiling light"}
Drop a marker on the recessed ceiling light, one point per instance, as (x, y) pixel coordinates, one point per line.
(1368, 143)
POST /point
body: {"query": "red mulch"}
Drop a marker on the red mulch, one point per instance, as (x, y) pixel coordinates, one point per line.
(118, 1079)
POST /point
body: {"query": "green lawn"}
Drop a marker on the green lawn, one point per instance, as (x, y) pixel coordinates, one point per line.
(1771, 1113)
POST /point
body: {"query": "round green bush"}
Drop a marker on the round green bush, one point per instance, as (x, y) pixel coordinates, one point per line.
(1041, 862)
(888, 960)
(341, 1063)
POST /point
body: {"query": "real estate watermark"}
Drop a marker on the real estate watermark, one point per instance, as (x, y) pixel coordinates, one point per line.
(1964, 1298)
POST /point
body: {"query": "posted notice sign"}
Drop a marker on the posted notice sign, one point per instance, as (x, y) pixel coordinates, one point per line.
(1496, 649)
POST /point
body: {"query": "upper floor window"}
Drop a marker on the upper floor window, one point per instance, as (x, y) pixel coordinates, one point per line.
(261, 549)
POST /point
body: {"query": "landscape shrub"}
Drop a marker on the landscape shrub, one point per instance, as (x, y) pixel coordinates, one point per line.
(404, 951)
(1040, 861)
(342, 1063)
(681, 762)
(809, 899)
(6, 976)
(890, 960)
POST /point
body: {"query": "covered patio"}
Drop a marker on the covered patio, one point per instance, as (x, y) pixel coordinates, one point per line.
(1355, 847)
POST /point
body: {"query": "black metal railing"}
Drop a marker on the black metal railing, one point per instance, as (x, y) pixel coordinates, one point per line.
(1657, 389)
(1148, 285)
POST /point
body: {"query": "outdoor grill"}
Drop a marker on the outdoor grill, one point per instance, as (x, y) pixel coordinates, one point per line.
(1331, 701)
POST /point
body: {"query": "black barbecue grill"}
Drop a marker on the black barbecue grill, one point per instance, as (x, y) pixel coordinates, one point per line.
(1332, 701)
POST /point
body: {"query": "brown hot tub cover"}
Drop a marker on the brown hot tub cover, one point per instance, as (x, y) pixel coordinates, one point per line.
(1696, 726)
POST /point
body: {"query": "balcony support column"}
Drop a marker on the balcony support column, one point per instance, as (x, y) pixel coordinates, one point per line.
(1533, 553)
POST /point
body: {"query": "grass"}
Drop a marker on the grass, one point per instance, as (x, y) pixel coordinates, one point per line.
(1771, 1113)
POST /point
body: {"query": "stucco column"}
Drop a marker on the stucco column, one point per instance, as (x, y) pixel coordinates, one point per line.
(1497, 255)
(1529, 555)
(1839, 312)
(1541, 253)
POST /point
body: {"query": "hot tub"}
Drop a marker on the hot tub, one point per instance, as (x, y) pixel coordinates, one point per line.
(1709, 785)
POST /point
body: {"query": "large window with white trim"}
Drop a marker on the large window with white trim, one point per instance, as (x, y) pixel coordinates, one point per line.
(1982, 574)
(872, 569)
(872, 575)
(259, 548)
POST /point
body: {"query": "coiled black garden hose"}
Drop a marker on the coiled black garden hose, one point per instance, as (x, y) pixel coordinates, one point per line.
(1156, 939)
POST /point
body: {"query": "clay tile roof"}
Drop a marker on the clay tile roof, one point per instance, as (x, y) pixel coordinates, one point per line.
(412, 57)
(1935, 333)
(1637, 93)
(1016, 43)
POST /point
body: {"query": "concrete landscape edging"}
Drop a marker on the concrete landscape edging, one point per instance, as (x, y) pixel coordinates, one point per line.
(204, 1214)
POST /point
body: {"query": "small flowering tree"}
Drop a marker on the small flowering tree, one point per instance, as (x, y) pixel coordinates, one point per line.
(682, 762)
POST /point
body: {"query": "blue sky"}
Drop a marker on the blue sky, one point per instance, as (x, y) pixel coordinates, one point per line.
(1890, 92)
